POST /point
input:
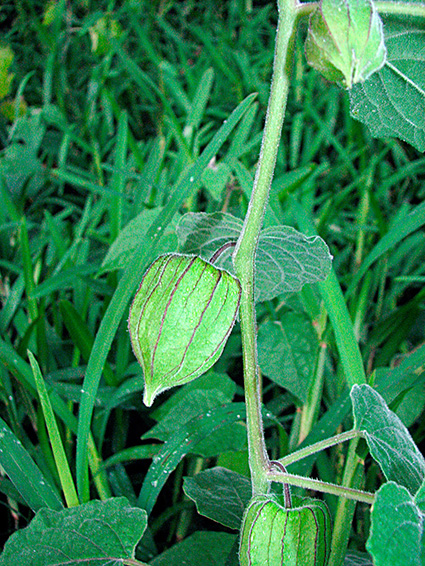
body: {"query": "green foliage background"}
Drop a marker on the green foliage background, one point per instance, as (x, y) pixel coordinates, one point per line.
(118, 100)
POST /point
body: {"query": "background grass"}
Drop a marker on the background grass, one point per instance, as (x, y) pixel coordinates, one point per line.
(119, 99)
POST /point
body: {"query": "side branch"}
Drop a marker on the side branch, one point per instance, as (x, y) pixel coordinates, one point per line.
(323, 487)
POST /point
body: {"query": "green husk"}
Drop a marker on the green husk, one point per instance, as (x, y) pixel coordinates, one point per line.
(180, 319)
(273, 535)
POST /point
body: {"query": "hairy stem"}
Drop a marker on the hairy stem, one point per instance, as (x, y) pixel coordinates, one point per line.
(246, 245)
(398, 8)
(401, 8)
(286, 489)
(349, 493)
(319, 446)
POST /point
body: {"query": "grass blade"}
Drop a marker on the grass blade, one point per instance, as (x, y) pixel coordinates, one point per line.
(128, 283)
(59, 455)
(22, 372)
(342, 325)
(118, 178)
(24, 473)
(405, 226)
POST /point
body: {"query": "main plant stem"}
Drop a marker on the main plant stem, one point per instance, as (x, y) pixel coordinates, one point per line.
(244, 255)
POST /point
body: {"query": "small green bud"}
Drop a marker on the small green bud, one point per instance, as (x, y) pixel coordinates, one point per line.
(345, 41)
(180, 319)
(273, 535)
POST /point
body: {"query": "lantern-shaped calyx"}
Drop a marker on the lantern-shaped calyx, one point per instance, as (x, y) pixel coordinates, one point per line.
(180, 319)
(273, 535)
(345, 40)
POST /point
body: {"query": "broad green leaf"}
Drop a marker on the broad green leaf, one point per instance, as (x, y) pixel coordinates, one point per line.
(202, 548)
(96, 533)
(235, 461)
(392, 101)
(180, 320)
(203, 234)
(210, 381)
(420, 502)
(233, 557)
(181, 443)
(286, 259)
(287, 351)
(131, 237)
(195, 401)
(220, 495)
(345, 41)
(389, 441)
(395, 534)
(420, 498)
(24, 473)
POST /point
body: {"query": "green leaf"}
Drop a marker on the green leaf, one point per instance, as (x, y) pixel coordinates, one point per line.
(345, 41)
(395, 534)
(20, 166)
(286, 259)
(203, 234)
(58, 449)
(131, 237)
(392, 102)
(6, 60)
(220, 495)
(215, 178)
(181, 443)
(210, 381)
(99, 532)
(287, 352)
(206, 548)
(420, 498)
(357, 559)
(180, 319)
(195, 399)
(404, 226)
(24, 473)
(389, 441)
(390, 382)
